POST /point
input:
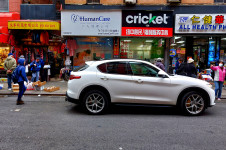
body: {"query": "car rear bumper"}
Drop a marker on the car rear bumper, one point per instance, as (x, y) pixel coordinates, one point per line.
(72, 100)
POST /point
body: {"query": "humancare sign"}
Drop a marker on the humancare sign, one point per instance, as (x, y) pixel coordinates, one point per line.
(147, 23)
(200, 23)
(91, 23)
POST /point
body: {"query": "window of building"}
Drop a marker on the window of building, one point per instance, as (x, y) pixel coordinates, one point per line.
(4, 5)
(141, 69)
(220, 1)
(93, 1)
(91, 48)
(142, 48)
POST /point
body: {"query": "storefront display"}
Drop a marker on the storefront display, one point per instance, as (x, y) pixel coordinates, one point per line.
(142, 48)
(92, 48)
(4, 51)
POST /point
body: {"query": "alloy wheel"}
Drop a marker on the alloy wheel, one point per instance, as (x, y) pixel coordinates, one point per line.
(194, 104)
(95, 103)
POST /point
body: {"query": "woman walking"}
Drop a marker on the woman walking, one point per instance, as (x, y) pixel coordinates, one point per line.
(219, 75)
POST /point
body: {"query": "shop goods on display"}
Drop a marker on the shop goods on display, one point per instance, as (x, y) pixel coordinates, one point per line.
(38, 86)
(51, 89)
(3, 80)
(15, 87)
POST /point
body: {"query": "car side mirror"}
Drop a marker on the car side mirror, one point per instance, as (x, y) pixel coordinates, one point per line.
(162, 75)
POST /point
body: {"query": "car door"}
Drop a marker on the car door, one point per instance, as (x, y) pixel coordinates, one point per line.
(148, 87)
(116, 78)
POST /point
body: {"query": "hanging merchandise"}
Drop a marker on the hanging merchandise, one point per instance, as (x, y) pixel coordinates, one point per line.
(63, 46)
(37, 38)
(41, 53)
(12, 41)
(72, 46)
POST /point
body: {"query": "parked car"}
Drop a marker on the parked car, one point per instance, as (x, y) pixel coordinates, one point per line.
(98, 84)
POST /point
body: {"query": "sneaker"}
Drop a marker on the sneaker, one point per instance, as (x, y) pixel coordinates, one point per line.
(20, 102)
(9, 89)
(218, 99)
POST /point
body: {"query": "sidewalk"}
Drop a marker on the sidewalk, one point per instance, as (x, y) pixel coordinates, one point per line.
(52, 82)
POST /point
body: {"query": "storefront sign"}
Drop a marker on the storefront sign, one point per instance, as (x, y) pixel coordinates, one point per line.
(183, 51)
(173, 52)
(147, 23)
(91, 23)
(200, 23)
(34, 25)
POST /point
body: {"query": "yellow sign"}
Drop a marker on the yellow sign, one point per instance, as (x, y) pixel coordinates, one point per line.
(34, 25)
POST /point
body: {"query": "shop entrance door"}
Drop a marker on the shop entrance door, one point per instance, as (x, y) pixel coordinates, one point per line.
(200, 56)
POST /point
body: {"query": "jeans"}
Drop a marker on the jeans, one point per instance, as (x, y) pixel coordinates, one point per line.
(218, 88)
(9, 76)
(22, 89)
(35, 76)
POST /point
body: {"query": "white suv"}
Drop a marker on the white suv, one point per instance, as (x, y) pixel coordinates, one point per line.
(98, 84)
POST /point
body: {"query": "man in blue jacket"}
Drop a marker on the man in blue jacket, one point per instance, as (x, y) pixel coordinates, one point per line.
(21, 78)
(35, 68)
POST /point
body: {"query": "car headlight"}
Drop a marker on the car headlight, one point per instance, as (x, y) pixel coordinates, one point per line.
(209, 85)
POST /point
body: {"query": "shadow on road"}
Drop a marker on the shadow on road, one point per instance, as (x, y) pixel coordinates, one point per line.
(135, 110)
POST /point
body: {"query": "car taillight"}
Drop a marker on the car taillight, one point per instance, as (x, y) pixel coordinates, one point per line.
(74, 77)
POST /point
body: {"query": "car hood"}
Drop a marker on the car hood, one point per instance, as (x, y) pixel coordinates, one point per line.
(187, 80)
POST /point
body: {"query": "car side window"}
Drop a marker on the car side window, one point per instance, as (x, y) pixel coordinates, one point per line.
(142, 69)
(102, 68)
(117, 68)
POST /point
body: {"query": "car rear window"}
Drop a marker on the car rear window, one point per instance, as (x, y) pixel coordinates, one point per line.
(81, 68)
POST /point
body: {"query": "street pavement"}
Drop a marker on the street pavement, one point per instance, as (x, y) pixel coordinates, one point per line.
(51, 123)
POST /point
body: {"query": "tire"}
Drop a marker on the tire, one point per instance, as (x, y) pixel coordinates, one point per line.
(193, 103)
(95, 102)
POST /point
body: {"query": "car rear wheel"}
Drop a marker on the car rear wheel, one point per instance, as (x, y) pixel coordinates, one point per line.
(193, 103)
(95, 102)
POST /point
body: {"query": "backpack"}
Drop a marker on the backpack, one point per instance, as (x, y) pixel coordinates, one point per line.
(15, 75)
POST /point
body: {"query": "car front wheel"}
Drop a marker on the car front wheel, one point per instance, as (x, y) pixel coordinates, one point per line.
(193, 103)
(95, 102)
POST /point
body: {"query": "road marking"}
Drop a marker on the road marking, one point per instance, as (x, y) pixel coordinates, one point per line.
(17, 110)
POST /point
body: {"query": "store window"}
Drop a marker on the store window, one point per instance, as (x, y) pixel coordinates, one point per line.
(142, 48)
(177, 50)
(4, 5)
(91, 48)
(223, 49)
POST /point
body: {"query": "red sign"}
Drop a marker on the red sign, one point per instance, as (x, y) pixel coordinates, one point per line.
(147, 31)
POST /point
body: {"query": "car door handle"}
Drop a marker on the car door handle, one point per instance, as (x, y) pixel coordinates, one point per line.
(139, 81)
(104, 78)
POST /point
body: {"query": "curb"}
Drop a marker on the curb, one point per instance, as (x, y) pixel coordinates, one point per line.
(32, 94)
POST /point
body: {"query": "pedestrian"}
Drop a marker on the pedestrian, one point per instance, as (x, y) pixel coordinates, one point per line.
(21, 78)
(160, 64)
(41, 69)
(35, 68)
(190, 68)
(181, 69)
(9, 66)
(219, 76)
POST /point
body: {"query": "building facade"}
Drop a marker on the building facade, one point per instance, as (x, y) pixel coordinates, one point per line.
(204, 47)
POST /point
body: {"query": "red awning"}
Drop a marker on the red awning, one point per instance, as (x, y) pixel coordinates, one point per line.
(4, 18)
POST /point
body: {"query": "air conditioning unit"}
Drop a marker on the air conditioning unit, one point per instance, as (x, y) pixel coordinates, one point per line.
(130, 2)
(173, 1)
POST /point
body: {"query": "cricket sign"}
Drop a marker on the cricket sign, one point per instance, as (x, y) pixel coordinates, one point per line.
(200, 23)
(147, 23)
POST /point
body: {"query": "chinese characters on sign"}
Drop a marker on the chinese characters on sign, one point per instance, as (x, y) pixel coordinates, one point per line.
(200, 23)
(43, 25)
